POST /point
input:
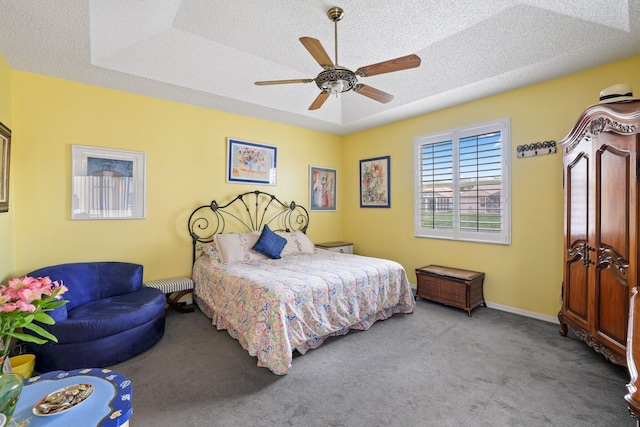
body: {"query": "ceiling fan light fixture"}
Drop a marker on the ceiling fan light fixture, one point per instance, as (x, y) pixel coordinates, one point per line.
(336, 81)
(335, 87)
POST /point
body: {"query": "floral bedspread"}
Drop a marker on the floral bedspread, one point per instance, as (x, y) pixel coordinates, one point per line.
(273, 307)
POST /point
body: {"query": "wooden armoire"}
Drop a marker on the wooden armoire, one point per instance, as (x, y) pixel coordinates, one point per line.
(602, 213)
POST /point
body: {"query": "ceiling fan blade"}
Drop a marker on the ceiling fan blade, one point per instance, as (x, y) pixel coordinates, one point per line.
(317, 51)
(402, 63)
(373, 93)
(317, 103)
(283, 82)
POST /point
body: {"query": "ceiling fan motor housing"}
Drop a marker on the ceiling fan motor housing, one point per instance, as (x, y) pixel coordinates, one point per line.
(336, 80)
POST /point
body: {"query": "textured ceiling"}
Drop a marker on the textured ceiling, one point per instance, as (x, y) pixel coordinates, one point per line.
(209, 53)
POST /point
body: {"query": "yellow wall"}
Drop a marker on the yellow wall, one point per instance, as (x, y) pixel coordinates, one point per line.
(526, 275)
(185, 149)
(7, 219)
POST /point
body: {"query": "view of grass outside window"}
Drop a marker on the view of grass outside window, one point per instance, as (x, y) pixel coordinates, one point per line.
(462, 188)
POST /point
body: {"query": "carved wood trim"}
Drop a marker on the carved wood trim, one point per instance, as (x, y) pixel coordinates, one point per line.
(601, 124)
(619, 266)
(621, 118)
(598, 346)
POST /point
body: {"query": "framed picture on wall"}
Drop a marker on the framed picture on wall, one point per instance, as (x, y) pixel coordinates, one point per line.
(107, 183)
(250, 162)
(5, 155)
(375, 185)
(322, 188)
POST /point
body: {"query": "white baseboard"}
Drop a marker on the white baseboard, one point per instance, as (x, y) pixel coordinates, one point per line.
(509, 309)
(525, 313)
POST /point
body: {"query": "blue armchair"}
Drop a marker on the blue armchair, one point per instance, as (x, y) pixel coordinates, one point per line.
(110, 316)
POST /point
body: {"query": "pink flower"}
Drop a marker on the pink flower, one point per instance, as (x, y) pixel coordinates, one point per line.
(22, 282)
(8, 307)
(20, 298)
(25, 306)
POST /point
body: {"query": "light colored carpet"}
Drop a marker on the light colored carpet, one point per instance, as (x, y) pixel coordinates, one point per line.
(435, 367)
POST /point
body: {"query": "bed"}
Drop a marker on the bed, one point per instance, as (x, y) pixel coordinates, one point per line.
(293, 297)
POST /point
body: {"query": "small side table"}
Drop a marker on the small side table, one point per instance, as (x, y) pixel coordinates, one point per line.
(108, 406)
(451, 286)
(342, 247)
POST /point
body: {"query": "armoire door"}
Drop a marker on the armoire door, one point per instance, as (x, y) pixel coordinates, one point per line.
(577, 257)
(615, 237)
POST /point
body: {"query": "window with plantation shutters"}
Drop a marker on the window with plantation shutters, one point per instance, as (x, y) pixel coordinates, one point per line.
(462, 183)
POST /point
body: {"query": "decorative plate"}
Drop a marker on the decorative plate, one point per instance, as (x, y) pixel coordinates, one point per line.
(62, 400)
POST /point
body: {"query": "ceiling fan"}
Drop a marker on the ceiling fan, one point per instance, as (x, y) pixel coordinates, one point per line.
(336, 78)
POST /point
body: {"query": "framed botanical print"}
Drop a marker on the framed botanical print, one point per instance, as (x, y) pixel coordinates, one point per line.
(375, 185)
(322, 188)
(5, 155)
(250, 162)
(107, 183)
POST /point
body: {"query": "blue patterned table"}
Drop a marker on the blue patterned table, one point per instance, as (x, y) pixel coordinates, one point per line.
(108, 406)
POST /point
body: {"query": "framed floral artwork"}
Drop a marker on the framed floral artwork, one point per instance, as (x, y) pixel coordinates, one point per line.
(250, 162)
(5, 155)
(375, 183)
(322, 188)
(107, 183)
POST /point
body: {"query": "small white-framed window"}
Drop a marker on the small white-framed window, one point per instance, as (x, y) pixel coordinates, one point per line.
(462, 183)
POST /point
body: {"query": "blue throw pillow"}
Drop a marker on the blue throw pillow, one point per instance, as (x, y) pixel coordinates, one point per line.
(269, 243)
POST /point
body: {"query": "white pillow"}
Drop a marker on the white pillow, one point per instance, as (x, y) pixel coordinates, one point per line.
(297, 243)
(236, 247)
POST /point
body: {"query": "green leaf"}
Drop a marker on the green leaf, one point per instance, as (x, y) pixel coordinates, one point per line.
(27, 338)
(43, 317)
(21, 322)
(55, 304)
(42, 332)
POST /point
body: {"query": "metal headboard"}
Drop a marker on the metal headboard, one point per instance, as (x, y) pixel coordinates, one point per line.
(247, 212)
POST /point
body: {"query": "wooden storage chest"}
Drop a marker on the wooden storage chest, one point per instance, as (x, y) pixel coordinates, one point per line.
(451, 286)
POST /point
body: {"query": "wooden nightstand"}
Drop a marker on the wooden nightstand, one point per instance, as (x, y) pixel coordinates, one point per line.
(342, 247)
(451, 286)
